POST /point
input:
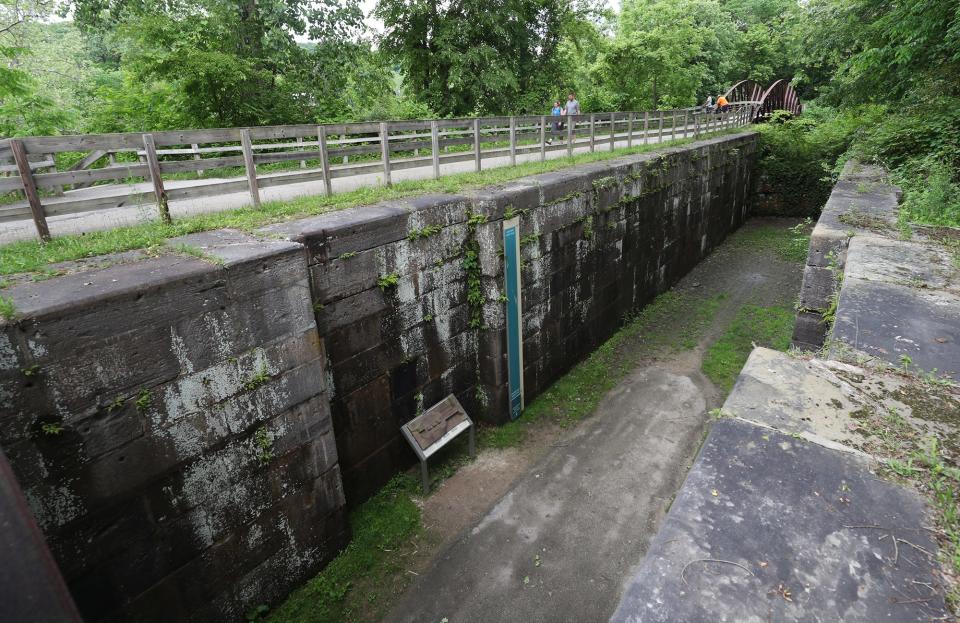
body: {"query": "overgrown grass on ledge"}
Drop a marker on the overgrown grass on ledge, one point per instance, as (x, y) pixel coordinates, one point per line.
(32, 256)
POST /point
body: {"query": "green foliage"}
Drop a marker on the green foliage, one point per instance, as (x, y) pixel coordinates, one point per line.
(764, 326)
(424, 232)
(388, 281)
(143, 400)
(263, 445)
(798, 157)
(469, 58)
(260, 377)
(380, 527)
(51, 428)
(7, 309)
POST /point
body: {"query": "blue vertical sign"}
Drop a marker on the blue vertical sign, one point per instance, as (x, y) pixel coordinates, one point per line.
(511, 269)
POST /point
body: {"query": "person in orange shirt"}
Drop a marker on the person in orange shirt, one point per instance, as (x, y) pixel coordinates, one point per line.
(722, 104)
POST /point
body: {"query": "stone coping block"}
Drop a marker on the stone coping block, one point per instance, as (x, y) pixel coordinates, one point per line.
(781, 515)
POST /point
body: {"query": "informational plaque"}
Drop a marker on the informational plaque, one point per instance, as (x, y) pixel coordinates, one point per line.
(434, 428)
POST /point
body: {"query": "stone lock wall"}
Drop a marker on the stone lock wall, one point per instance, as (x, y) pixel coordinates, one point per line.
(190, 429)
(408, 294)
(168, 421)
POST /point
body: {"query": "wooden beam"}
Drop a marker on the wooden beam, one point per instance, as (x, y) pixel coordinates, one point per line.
(30, 188)
(153, 165)
(476, 144)
(385, 152)
(435, 148)
(593, 131)
(630, 130)
(513, 141)
(543, 138)
(324, 158)
(250, 166)
(613, 136)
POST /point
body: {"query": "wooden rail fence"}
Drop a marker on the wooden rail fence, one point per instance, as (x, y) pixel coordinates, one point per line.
(129, 169)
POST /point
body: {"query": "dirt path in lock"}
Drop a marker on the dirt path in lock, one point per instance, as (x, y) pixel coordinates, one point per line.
(550, 529)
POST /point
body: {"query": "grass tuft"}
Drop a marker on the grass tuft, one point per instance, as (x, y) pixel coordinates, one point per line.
(764, 326)
(380, 526)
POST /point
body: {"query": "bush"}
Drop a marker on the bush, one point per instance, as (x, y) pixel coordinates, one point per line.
(799, 158)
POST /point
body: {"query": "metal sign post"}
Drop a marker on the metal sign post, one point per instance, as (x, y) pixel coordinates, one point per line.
(435, 428)
(511, 254)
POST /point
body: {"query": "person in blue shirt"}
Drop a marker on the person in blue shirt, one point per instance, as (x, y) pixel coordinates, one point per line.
(556, 111)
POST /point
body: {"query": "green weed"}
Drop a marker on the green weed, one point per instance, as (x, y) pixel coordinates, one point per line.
(380, 527)
(764, 326)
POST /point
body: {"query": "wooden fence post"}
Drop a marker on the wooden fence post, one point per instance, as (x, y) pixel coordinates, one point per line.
(476, 144)
(660, 128)
(593, 131)
(30, 188)
(543, 138)
(385, 152)
(343, 142)
(646, 125)
(630, 129)
(435, 148)
(251, 167)
(570, 123)
(673, 127)
(197, 156)
(324, 158)
(686, 122)
(153, 165)
(613, 139)
(513, 141)
(303, 163)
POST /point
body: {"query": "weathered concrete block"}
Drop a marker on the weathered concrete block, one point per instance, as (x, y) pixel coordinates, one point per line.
(184, 400)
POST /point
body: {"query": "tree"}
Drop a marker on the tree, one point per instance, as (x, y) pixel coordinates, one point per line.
(478, 56)
(24, 108)
(668, 52)
(234, 63)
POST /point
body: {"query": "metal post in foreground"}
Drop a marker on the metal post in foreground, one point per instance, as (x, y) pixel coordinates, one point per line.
(385, 152)
(630, 130)
(570, 123)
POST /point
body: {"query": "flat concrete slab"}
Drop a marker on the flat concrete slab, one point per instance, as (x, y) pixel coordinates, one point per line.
(899, 300)
(558, 545)
(768, 532)
(789, 394)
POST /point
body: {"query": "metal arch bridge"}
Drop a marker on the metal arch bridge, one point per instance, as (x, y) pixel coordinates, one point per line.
(778, 96)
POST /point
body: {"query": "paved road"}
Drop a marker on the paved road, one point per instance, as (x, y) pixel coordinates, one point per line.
(95, 220)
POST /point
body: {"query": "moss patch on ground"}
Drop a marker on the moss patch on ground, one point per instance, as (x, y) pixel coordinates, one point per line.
(753, 325)
(789, 244)
(380, 526)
